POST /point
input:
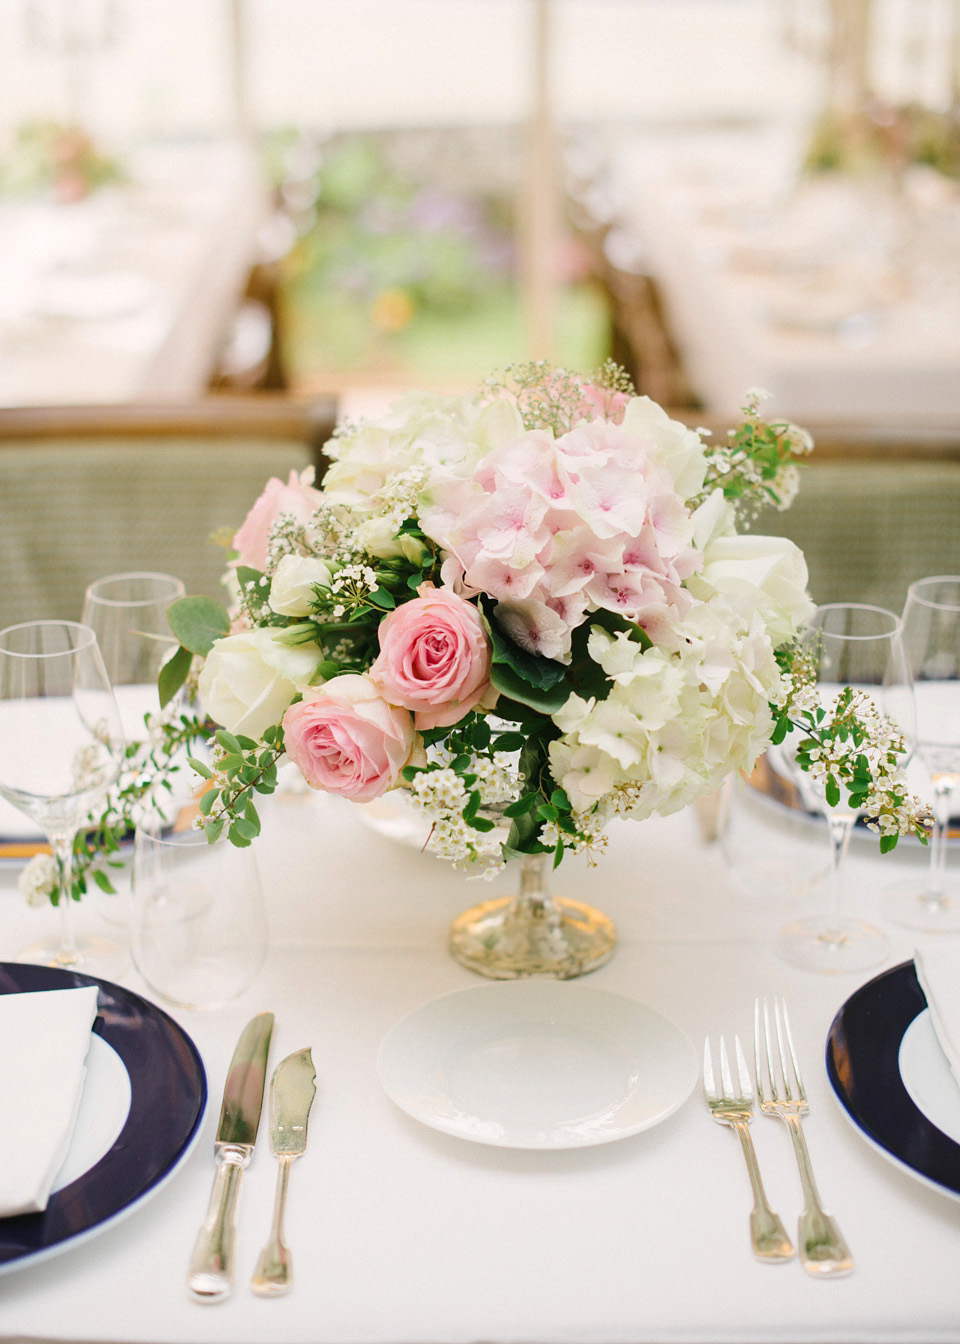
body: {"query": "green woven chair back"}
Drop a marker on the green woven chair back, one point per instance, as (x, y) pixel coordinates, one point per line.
(868, 528)
(74, 510)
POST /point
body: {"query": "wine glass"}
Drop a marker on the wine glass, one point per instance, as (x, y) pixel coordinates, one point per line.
(128, 615)
(198, 930)
(61, 749)
(854, 645)
(931, 637)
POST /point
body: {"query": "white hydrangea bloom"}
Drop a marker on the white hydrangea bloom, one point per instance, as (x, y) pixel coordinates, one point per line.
(676, 722)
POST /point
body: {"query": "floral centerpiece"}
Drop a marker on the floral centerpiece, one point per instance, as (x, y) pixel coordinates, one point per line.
(535, 609)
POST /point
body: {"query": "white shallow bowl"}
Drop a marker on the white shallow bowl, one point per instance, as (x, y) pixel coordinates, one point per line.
(537, 1064)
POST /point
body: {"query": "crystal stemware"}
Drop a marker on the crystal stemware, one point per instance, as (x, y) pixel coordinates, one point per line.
(859, 646)
(128, 615)
(931, 636)
(61, 749)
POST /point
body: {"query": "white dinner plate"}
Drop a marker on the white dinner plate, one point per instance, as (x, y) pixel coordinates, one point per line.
(140, 1115)
(537, 1064)
(892, 1079)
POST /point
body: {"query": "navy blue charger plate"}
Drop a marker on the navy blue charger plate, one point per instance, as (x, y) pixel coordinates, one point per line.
(168, 1089)
(863, 1065)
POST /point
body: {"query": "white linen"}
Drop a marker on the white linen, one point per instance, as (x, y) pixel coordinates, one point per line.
(403, 1234)
(802, 289)
(938, 970)
(44, 1039)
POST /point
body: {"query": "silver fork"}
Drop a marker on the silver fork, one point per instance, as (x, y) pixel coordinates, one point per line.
(733, 1106)
(781, 1093)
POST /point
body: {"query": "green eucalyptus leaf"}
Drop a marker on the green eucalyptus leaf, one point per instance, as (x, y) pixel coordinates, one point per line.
(198, 622)
(172, 676)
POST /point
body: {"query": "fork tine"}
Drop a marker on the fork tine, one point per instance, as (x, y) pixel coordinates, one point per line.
(788, 1091)
(709, 1086)
(758, 1053)
(802, 1096)
(768, 1044)
(746, 1088)
(726, 1078)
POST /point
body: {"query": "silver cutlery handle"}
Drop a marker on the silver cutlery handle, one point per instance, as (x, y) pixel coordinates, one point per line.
(768, 1236)
(823, 1250)
(210, 1272)
(274, 1272)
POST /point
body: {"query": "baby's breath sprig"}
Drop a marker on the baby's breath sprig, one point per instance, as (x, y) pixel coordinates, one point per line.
(551, 398)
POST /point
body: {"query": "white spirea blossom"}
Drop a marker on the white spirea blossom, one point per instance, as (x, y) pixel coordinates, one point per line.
(39, 879)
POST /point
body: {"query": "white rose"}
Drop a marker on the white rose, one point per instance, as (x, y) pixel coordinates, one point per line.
(768, 573)
(291, 590)
(715, 518)
(249, 679)
(377, 536)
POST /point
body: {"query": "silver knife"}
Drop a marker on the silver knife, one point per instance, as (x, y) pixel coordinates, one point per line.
(292, 1090)
(211, 1266)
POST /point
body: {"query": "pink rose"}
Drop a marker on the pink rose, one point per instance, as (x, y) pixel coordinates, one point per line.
(435, 658)
(297, 498)
(346, 739)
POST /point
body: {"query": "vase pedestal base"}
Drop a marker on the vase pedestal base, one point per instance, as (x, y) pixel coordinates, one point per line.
(510, 938)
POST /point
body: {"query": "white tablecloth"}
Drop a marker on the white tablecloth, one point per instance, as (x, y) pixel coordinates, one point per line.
(402, 1235)
(836, 296)
(128, 295)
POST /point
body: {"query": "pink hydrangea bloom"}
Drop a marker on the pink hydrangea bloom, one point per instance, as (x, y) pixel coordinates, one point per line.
(557, 528)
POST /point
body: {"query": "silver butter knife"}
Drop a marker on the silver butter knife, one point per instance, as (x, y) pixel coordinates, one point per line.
(211, 1266)
(292, 1090)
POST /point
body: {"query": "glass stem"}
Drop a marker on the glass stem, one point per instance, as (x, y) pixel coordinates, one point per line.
(840, 829)
(61, 842)
(943, 787)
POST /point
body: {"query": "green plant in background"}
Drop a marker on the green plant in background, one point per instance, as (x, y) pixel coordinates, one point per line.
(47, 157)
(885, 137)
(396, 269)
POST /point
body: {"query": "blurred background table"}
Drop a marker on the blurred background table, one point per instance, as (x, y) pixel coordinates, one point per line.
(128, 294)
(840, 294)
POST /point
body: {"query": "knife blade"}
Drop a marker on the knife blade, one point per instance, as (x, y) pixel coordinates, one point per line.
(210, 1272)
(292, 1090)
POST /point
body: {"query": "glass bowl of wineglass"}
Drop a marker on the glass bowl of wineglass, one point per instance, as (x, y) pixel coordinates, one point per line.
(931, 637)
(61, 750)
(857, 646)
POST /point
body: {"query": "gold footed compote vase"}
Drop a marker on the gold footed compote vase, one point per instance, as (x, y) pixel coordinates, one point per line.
(532, 933)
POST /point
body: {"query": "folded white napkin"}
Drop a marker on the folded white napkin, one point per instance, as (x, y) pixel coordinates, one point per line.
(44, 1038)
(938, 970)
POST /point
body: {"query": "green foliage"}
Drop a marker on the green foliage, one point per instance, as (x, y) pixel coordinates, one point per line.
(198, 622)
(173, 675)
